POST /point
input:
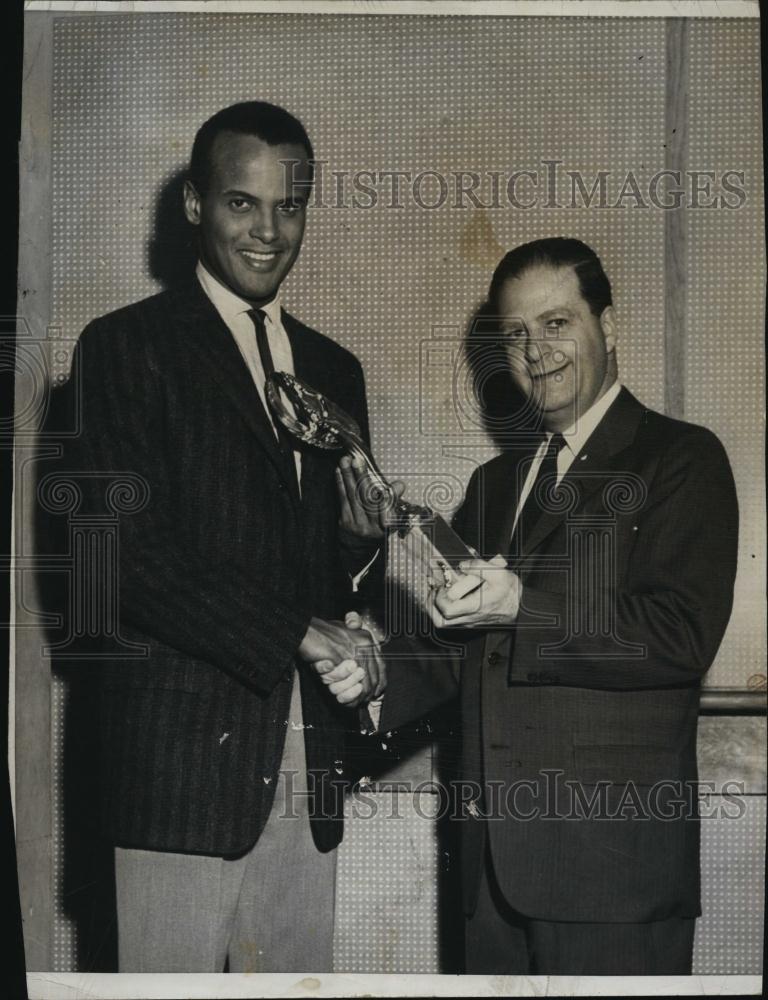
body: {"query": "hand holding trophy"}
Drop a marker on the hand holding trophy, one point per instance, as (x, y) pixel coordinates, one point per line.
(434, 549)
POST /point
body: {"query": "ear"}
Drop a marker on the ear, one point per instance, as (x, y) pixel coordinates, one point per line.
(609, 328)
(191, 203)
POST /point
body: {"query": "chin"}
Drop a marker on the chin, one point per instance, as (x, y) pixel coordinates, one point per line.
(552, 404)
(567, 408)
(257, 290)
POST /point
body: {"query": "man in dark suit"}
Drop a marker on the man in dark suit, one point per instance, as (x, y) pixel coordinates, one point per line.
(223, 747)
(608, 548)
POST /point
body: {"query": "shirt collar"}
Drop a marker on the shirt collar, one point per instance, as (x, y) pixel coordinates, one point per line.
(229, 305)
(577, 434)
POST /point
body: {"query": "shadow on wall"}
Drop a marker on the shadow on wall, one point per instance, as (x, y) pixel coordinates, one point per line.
(503, 411)
(85, 893)
(171, 253)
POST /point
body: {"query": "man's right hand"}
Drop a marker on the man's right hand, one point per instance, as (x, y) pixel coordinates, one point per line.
(367, 510)
(338, 653)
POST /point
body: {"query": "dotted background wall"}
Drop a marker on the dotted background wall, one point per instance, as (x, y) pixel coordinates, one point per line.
(724, 386)
(485, 95)
(387, 895)
(729, 934)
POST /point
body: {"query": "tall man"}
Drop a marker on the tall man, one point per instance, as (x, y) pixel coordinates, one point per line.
(609, 554)
(223, 749)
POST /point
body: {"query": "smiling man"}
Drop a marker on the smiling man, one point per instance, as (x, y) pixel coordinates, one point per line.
(561, 345)
(612, 548)
(223, 748)
(604, 582)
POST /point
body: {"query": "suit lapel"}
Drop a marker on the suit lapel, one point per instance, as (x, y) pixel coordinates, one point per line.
(615, 432)
(204, 331)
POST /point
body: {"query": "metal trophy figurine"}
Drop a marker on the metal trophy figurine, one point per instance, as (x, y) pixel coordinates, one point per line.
(316, 420)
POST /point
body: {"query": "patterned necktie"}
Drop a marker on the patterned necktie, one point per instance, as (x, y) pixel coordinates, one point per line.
(545, 480)
(284, 439)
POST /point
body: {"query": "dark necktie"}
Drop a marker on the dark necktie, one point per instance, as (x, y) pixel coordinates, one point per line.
(284, 439)
(533, 507)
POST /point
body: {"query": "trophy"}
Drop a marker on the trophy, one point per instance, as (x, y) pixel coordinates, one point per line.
(314, 419)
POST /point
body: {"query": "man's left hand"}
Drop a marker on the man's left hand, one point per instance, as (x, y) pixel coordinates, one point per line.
(487, 594)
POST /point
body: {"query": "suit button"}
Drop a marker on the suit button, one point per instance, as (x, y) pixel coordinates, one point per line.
(494, 657)
(533, 678)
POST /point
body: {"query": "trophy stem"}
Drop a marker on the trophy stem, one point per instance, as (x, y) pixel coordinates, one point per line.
(358, 449)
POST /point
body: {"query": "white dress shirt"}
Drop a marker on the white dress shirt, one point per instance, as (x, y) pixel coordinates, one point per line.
(234, 311)
(576, 436)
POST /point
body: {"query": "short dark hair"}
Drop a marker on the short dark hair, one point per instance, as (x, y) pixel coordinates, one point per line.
(268, 122)
(556, 251)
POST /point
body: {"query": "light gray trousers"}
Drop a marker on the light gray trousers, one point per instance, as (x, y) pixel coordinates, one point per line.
(270, 910)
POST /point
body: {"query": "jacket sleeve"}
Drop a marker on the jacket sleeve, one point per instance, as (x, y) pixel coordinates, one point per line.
(222, 615)
(670, 602)
(420, 677)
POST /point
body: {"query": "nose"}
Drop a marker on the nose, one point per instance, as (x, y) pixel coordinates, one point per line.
(263, 225)
(536, 351)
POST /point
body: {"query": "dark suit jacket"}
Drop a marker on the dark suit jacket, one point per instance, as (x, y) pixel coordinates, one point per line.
(218, 575)
(625, 600)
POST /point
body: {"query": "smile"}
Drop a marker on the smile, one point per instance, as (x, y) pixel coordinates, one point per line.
(549, 374)
(259, 260)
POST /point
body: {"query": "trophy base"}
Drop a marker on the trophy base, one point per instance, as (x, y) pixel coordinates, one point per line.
(423, 553)
(448, 545)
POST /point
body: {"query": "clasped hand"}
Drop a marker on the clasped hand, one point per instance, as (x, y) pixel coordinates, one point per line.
(346, 658)
(487, 594)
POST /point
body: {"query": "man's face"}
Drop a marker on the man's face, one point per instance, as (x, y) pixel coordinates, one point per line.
(252, 215)
(561, 354)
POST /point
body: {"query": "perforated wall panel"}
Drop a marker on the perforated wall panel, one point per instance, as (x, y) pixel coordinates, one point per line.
(724, 386)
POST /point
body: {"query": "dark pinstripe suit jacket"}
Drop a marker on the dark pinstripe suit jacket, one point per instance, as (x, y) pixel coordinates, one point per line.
(626, 598)
(219, 575)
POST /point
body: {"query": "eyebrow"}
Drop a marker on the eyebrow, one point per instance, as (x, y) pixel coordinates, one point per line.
(542, 317)
(557, 310)
(234, 192)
